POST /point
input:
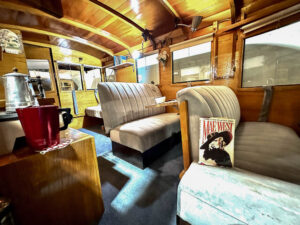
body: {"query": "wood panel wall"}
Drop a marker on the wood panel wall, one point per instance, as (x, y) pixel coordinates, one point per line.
(127, 74)
(73, 56)
(221, 66)
(8, 62)
(227, 70)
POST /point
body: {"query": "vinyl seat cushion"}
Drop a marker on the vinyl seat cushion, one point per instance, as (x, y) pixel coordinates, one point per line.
(269, 149)
(94, 111)
(142, 134)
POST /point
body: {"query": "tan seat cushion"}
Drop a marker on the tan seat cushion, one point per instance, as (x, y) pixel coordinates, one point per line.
(268, 149)
(145, 133)
(94, 111)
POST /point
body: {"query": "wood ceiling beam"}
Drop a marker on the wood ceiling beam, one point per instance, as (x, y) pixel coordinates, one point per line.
(120, 16)
(224, 15)
(257, 5)
(235, 9)
(53, 7)
(71, 38)
(66, 20)
(232, 10)
(40, 44)
(170, 8)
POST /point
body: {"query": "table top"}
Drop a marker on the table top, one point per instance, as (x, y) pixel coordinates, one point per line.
(4, 116)
(24, 151)
(167, 103)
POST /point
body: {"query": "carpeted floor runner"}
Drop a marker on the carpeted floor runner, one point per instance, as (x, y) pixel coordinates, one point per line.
(134, 196)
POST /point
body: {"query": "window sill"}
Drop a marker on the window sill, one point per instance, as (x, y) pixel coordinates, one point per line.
(72, 90)
(276, 87)
(192, 83)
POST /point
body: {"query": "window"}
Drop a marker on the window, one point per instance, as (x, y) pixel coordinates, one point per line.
(92, 76)
(192, 64)
(70, 77)
(40, 67)
(110, 75)
(272, 58)
(148, 69)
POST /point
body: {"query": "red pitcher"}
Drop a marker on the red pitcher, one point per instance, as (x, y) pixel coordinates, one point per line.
(41, 124)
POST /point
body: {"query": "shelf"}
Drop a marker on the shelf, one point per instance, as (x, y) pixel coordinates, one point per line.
(121, 66)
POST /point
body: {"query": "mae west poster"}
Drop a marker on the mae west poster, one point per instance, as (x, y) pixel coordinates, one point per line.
(216, 142)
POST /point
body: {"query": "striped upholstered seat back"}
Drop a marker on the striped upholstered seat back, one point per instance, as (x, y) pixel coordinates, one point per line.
(125, 102)
(208, 101)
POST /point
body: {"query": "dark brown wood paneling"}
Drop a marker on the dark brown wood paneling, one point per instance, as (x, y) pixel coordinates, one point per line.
(53, 7)
(61, 187)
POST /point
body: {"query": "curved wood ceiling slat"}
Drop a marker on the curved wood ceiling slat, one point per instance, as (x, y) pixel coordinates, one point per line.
(66, 20)
(170, 8)
(106, 31)
(188, 9)
(29, 20)
(45, 32)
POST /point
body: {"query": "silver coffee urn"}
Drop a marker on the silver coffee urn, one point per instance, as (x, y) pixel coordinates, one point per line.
(19, 91)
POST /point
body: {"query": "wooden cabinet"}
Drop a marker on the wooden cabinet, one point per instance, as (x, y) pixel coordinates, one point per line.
(61, 187)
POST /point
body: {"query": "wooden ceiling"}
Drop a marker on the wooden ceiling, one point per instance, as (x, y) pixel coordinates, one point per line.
(102, 31)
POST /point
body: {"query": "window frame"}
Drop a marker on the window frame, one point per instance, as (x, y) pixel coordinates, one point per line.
(52, 79)
(105, 74)
(145, 55)
(194, 81)
(270, 27)
(81, 78)
(95, 67)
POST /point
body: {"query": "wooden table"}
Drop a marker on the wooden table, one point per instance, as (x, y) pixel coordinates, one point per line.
(167, 103)
(60, 187)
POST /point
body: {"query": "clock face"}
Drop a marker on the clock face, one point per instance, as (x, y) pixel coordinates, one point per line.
(10, 41)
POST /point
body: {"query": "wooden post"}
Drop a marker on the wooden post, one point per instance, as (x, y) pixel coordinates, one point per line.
(1, 53)
(215, 51)
(233, 66)
(184, 125)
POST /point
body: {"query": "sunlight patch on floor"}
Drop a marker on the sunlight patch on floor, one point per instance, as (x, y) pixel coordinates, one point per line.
(139, 180)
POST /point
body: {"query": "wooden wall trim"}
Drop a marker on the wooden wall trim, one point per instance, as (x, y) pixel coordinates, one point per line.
(259, 14)
(185, 137)
(271, 19)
